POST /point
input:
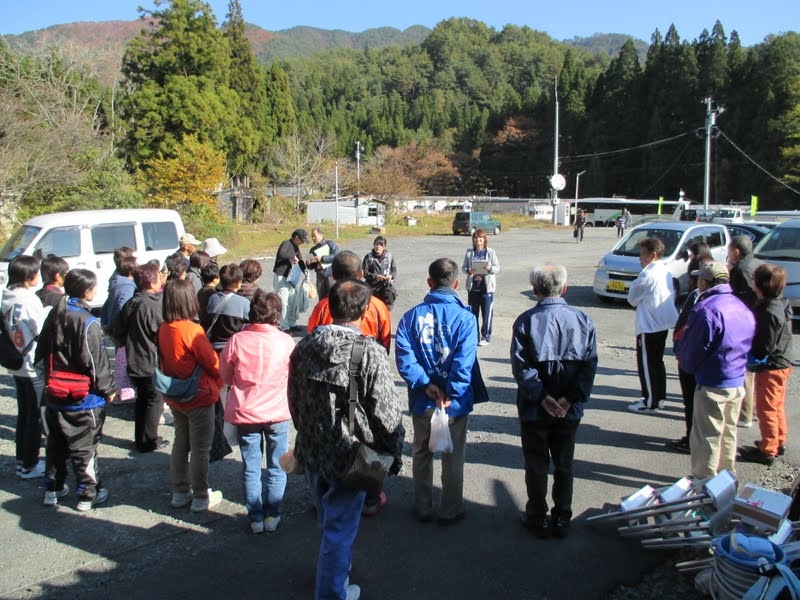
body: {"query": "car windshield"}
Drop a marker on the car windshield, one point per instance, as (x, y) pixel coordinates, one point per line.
(782, 243)
(462, 216)
(18, 242)
(630, 244)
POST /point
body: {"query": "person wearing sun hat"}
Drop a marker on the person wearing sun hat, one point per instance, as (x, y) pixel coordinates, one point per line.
(213, 248)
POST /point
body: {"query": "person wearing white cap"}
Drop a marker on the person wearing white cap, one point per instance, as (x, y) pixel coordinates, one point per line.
(213, 248)
(188, 244)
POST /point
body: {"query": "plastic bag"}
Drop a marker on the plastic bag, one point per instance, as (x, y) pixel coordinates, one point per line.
(440, 432)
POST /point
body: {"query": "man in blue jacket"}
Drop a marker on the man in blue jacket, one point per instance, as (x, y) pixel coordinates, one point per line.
(436, 354)
(554, 361)
(713, 348)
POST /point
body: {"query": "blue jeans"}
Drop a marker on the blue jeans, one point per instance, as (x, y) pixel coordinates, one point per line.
(338, 516)
(251, 444)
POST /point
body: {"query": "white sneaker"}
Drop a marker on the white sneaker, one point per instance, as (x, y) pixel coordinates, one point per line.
(257, 526)
(100, 497)
(745, 424)
(181, 499)
(33, 473)
(641, 407)
(271, 524)
(353, 592)
(51, 498)
(661, 404)
(203, 504)
(483, 343)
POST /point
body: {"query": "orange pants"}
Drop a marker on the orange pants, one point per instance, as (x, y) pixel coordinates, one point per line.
(770, 393)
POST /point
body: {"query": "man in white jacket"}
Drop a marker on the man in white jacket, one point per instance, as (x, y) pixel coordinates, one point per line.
(654, 298)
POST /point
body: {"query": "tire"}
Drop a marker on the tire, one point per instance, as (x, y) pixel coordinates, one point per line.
(455, 232)
(496, 231)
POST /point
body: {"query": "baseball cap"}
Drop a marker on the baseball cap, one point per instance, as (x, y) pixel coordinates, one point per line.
(714, 272)
(188, 238)
(301, 233)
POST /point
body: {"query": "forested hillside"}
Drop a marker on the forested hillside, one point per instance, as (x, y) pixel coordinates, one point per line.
(466, 109)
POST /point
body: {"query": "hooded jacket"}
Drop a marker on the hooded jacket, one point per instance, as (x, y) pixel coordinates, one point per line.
(437, 342)
(489, 279)
(553, 351)
(717, 338)
(24, 317)
(318, 400)
(654, 298)
(82, 351)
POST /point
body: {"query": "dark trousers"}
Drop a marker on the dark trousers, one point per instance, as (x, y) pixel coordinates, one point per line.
(650, 364)
(146, 414)
(543, 441)
(482, 302)
(28, 436)
(687, 391)
(74, 435)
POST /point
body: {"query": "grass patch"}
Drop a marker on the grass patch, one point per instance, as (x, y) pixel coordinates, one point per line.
(262, 239)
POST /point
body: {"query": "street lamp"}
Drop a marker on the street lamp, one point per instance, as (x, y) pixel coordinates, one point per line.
(577, 182)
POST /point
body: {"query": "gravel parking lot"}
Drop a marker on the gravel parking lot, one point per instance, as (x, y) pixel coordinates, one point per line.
(138, 547)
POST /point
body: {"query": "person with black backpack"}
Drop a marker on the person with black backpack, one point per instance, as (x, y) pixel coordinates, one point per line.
(23, 318)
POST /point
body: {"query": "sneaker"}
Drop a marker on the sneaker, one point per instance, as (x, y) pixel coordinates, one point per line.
(32, 473)
(370, 510)
(781, 448)
(51, 498)
(483, 343)
(681, 445)
(271, 524)
(100, 497)
(750, 454)
(166, 419)
(745, 424)
(641, 407)
(257, 526)
(662, 404)
(181, 499)
(560, 527)
(203, 504)
(353, 592)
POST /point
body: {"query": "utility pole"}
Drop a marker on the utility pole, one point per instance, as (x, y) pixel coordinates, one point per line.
(358, 168)
(336, 197)
(577, 182)
(555, 144)
(711, 123)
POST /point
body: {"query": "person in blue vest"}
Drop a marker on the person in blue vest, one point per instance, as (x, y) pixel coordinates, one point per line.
(436, 355)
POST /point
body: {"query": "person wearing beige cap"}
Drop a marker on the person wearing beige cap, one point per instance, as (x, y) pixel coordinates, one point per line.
(213, 248)
(188, 244)
(719, 334)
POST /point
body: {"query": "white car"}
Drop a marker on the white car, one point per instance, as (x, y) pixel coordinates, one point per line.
(617, 269)
(781, 247)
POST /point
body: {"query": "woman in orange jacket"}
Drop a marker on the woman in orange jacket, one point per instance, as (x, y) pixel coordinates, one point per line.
(182, 346)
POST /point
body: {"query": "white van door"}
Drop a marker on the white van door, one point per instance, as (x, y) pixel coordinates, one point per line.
(64, 242)
(103, 239)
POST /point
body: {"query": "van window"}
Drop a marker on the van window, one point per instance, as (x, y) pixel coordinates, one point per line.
(19, 242)
(61, 241)
(107, 237)
(713, 236)
(160, 236)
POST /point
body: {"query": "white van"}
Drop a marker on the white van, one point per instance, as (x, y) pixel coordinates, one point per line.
(86, 239)
(781, 247)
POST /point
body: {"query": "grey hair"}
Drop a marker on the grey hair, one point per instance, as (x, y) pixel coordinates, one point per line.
(548, 280)
(318, 230)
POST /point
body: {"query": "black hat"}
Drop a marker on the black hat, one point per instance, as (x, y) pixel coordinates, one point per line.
(301, 233)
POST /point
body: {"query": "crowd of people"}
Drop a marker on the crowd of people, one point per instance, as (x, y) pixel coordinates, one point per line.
(214, 345)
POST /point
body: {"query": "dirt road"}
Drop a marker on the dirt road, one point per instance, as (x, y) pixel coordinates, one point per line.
(137, 547)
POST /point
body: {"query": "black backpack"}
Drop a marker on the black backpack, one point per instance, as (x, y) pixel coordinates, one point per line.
(10, 357)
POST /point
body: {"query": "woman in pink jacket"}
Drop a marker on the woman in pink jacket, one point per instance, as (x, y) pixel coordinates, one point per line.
(255, 363)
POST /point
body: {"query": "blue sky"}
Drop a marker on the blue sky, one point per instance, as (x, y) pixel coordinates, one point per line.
(753, 19)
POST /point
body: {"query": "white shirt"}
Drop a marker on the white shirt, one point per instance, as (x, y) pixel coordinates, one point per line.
(654, 298)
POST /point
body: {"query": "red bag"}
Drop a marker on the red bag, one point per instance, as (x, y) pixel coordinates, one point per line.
(67, 387)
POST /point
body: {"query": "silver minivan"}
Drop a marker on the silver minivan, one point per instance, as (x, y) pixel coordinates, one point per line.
(617, 269)
(781, 247)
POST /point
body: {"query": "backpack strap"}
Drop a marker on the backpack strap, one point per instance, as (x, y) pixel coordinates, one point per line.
(356, 358)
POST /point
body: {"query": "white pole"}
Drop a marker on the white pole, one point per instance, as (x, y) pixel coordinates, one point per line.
(710, 120)
(555, 156)
(358, 168)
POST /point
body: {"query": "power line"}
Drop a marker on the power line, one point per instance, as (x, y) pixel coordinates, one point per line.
(664, 174)
(620, 151)
(767, 173)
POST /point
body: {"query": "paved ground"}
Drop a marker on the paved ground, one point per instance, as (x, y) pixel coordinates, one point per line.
(138, 547)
